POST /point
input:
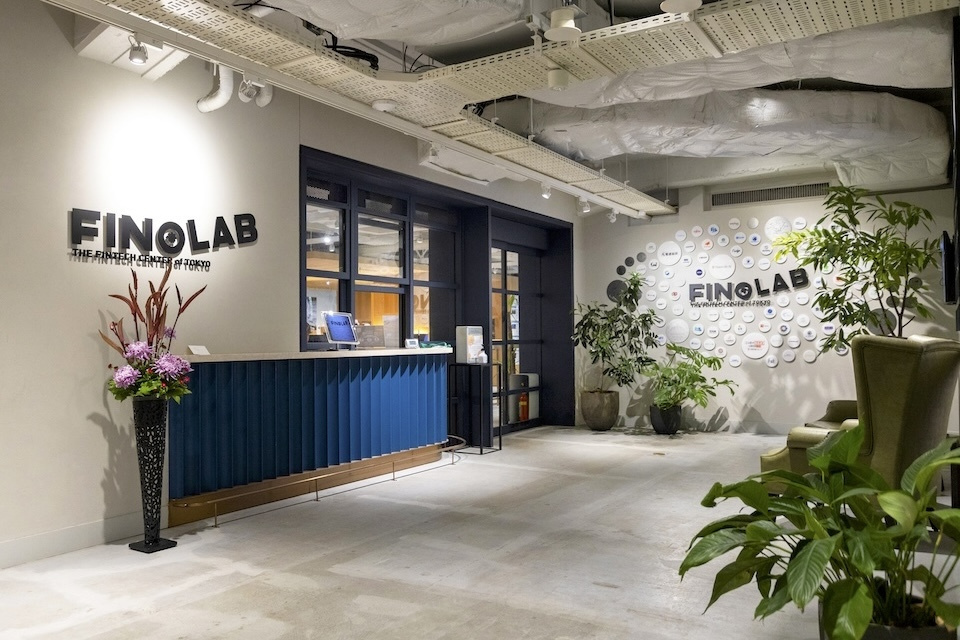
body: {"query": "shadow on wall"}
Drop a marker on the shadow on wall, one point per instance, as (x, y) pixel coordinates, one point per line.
(120, 484)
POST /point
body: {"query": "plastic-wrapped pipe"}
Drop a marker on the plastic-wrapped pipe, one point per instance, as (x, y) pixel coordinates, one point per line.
(220, 93)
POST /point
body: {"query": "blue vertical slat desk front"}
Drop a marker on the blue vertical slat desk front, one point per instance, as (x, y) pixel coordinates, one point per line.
(254, 418)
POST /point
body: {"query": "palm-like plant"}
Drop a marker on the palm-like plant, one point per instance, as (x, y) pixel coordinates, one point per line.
(877, 258)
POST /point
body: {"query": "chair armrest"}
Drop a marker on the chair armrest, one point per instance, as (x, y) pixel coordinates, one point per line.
(837, 412)
(806, 437)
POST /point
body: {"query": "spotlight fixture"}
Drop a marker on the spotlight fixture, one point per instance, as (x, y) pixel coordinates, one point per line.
(434, 152)
(584, 206)
(384, 105)
(562, 25)
(558, 79)
(545, 192)
(680, 6)
(643, 215)
(138, 52)
(612, 216)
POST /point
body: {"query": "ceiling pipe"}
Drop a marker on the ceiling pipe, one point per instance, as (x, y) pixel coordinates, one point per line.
(220, 93)
(264, 96)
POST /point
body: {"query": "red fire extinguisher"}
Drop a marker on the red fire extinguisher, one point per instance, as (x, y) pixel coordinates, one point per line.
(524, 406)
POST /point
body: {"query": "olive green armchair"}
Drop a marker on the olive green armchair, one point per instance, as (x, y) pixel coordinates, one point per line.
(905, 390)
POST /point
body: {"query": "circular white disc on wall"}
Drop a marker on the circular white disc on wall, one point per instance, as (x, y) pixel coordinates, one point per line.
(754, 346)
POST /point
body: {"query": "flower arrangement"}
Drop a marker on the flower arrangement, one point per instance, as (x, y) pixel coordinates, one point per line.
(150, 369)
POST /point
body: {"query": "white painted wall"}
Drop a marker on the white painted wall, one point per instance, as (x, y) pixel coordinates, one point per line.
(79, 133)
(767, 400)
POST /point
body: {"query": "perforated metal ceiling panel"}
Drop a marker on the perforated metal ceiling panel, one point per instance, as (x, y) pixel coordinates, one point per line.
(434, 99)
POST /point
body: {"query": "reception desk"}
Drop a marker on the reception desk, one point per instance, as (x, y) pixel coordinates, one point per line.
(257, 424)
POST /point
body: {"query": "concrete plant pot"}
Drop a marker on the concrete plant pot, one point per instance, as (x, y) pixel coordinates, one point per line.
(600, 409)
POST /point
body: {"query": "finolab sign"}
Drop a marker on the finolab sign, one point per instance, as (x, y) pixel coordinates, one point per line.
(125, 241)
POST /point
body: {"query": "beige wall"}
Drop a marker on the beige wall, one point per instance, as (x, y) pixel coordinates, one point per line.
(79, 133)
(767, 400)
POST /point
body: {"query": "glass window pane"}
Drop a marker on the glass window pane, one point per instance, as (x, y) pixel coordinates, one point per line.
(434, 252)
(513, 309)
(381, 203)
(382, 312)
(322, 295)
(496, 317)
(380, 247)
(512, 364)
(323, 238)
(513, 271)
(496, 355)
(434, 313)
(496, 268)
(325, 190)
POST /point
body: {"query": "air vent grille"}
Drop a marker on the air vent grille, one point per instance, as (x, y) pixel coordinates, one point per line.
(815, 190)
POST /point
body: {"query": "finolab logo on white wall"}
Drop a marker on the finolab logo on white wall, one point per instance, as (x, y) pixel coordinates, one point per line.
(726, 293)
(127, 242)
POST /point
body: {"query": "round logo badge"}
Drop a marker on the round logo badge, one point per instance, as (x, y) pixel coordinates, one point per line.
(651, 247)
(776, 341)
(739, 237)
(766, 249)
(754, 239)
(764, 326)
(786, 315)
(729, 339)
(694, 314)
(734, 360)
(707, 244)
(793, 341)
(789, 355)
(712, 332)
(677, 330)
(713, 315)
(713, 229)
(686, 261)
(721, 352)
(803, 320)
(674, 294)
(721, 267)
(754, 346)
(809, 356)
(748, 316)
(724, 325)
(694, 343)
(733, 223)
(783, 328)
(654, 264)
(769, 312)
(677, 309)
(763, 264)
(661, 304)
(736, 251)
(699, 272)
(722, 241)
(772, 361)
(703, 258)
(728, 313)
(697, 231)
(799, 223)
(689, 246)
(698, 329)
(809, 334)
(669, 253)
(782, 300)
(753, 223)
(709, 345)
(680, 235)
(739, 328)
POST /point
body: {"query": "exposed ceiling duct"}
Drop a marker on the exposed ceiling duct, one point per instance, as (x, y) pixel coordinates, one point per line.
(430, 104)
(873, 140)
(910, 53)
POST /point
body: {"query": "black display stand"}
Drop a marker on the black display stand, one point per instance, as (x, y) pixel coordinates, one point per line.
(474, 400)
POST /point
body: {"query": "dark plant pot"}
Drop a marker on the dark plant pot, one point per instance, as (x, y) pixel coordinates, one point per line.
(666, 422)
(600, 409)
(150, 425)
(880, 632)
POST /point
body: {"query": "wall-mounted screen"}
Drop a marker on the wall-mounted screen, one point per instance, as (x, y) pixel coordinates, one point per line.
(340, 329)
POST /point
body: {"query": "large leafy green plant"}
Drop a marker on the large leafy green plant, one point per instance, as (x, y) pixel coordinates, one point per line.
(617, 336)
(874, 249)
(680, 377)
(842, 535)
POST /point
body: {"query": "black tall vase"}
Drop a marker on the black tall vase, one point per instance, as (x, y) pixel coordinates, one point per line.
(150, 425)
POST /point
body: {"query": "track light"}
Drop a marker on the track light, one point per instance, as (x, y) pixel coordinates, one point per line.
(612, 216)
(545, 192)
(138, 52)
(562, 25)
(434, 153)
(584, 206)
(558, 79)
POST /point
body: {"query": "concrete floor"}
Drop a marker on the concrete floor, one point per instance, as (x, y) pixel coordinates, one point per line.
(564, 534)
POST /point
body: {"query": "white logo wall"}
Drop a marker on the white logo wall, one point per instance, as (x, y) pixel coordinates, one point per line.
(765, 324)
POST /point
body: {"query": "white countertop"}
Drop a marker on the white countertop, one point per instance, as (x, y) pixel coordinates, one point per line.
(311, 355)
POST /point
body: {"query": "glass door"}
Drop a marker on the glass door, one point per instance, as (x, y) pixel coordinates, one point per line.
(515, 337)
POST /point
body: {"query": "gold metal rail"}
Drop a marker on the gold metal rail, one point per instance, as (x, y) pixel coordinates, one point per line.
(457, 444)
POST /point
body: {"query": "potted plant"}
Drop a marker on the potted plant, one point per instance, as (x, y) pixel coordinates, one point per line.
(677, 379)
(617, 338)
(151, 376)
(873, 249)
(843, 536)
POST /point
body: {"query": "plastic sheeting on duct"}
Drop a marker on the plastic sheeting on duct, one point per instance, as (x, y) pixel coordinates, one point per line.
(870, 138)
(909, 53)
(416, 22)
